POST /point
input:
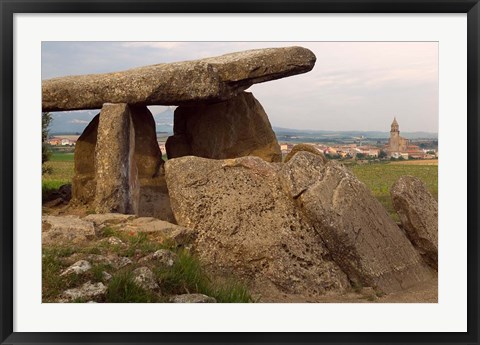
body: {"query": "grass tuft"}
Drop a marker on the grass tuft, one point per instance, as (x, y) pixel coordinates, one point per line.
(122, 289)
(188, 276)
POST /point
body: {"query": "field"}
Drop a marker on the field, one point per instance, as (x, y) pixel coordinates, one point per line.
(60, 171)
(378, 177)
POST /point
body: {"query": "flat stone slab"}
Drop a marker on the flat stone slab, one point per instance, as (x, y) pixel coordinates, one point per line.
(66, 230)
(207, 80)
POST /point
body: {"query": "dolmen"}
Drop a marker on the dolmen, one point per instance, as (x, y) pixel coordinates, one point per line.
(303, 226)
(118, 151)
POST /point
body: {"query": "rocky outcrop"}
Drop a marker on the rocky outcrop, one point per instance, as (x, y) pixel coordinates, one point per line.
(357, 231)
(208, 80)
(302, 226)
(246, 225)
(418, 212)
(234, 128)
(115, 166)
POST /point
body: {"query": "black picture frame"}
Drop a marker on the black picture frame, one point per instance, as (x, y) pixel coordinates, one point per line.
(10, 7)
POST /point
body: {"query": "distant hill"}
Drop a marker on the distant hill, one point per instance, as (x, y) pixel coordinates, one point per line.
(299, 134)
(72, 122)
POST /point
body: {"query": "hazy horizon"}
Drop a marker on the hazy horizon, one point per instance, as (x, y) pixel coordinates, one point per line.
(354, 86)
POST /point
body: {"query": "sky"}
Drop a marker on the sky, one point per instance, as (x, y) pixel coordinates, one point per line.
(353, 86)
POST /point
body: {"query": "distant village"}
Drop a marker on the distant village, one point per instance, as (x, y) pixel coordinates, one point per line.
(396, 148)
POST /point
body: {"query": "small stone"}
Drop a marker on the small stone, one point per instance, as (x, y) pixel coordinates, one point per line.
(87, 290)
(121, 262)
(145, 278)
(78, 267)
(192, 298)
(162, 257)
(106, 276)
(115, 241)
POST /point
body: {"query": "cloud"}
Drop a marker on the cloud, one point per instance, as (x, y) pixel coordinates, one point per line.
(155, 45)
(78, 121)
(354, 85)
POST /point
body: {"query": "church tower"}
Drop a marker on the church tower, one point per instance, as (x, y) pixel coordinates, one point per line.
(394, 142)
(394, 126)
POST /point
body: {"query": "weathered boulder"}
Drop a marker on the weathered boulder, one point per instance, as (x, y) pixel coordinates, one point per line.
(66, 230)
(359, 234)
(248, 226)
(235, 128)
(212, 79)
(307, 148)
(115, 166)
(418, 212)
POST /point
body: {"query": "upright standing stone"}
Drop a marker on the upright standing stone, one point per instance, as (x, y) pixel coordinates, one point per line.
(83, 182)
(147, 152)
(234, 128)
(116, 172)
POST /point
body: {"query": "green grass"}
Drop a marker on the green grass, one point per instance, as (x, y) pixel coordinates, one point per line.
(188, 276)
(52, 265)
(122, 289)
(60, 169)
(379, 178)
(61, 157)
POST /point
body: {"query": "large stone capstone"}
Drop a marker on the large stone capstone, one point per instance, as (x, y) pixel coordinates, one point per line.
(207, 80)
(306, 225)
(418, 212)
(234, 128)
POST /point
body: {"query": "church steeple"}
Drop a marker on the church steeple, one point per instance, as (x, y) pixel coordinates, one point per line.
(394, 127)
